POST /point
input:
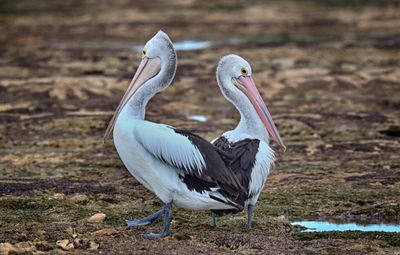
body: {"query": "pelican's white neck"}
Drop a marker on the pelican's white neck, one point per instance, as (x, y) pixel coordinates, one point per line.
(250, 123)
(136, 106)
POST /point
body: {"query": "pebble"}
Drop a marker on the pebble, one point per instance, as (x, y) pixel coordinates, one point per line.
(78, 198)
(106, 232)
(5, 248)
(98, 217)
(77, 241)
(18, 248)
(59, 196)
(65, 244)
(281, 218)
(93, 245)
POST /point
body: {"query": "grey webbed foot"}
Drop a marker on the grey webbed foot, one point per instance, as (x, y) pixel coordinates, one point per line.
(137, 223)
(156, 235)
(145, 221)
(166, 213)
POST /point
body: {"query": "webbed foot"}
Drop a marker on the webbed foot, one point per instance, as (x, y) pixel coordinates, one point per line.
(166, 213)
(145, 221)
(157, 235)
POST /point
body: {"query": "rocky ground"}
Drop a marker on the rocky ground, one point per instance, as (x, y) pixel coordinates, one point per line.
(328, 70)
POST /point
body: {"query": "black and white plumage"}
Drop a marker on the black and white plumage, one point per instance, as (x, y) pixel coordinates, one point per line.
(247, 149)
(180, 168)
(197, 168)
(242, 159)
(250, 160)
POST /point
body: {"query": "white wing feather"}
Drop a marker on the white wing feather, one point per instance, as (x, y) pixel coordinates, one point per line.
(262, 166)
(167, 145)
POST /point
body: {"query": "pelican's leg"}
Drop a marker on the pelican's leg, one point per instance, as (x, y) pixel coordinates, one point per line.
(213, 220)
(145, 221)
(167, 222)
(249, 216)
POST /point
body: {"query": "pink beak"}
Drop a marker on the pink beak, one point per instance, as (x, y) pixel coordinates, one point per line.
(247, 86)
(147, 69)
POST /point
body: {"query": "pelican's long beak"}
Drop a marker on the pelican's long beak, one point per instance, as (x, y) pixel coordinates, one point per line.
(247, 86)
(148, 68)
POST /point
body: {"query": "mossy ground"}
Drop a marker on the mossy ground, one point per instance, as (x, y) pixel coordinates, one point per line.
(329, 75)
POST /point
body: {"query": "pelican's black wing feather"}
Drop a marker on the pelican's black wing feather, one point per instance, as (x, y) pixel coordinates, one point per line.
(240, 157)
(215, 173)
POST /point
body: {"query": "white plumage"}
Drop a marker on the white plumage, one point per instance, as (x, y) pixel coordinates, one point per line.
(251, 156)
(264, 162)
(162, 141)
(180, 168)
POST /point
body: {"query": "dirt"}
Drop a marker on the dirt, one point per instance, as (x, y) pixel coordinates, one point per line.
(328, 71)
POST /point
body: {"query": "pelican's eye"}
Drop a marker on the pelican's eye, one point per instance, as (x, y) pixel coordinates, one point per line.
(244, 71)
(144, 53)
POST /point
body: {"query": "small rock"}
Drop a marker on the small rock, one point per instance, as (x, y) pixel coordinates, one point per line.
(79, 198)
(65, 244)
(19, 248)
(5, 248)
(106, 232)
(93, 245)
(386, 167)
(59, 196)
(77, 241)
(98, 217)
(281, 218)
(312, 149)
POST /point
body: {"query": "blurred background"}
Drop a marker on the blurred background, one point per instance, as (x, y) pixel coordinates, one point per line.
(329, 71)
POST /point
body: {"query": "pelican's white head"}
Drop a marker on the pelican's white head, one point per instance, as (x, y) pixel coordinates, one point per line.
(234, 76)
(160, 47)
(158, 64)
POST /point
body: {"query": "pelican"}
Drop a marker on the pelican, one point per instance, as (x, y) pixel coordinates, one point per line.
(251, 157)
(180, 168)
